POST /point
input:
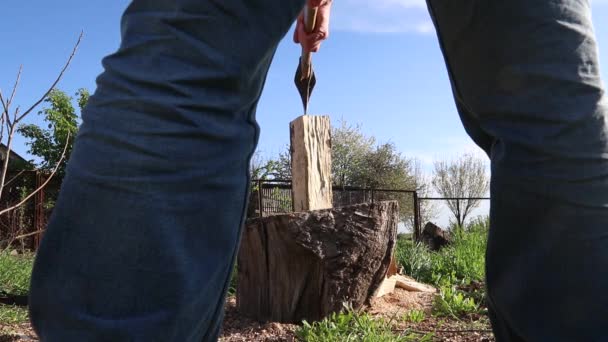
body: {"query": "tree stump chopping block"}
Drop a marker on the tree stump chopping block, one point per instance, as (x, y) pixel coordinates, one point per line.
(306, 265)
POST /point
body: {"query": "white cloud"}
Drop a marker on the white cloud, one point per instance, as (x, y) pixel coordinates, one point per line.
(425, 27)
(382, 16)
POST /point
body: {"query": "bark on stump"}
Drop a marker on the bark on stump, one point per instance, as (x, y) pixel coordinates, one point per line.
(307, 265)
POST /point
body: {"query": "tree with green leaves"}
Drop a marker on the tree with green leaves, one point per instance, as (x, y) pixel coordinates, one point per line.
(269, 169)
(11, 123)
(61, 118)
(358, 160)
(349, 148)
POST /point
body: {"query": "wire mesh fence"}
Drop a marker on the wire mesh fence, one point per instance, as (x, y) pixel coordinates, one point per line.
(20, 227)
(273, 197)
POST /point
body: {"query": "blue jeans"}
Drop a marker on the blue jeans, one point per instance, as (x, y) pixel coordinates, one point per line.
(142, 240)
(526, 82)
(144, 234)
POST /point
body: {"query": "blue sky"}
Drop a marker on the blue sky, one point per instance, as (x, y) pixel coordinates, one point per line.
(381, 68)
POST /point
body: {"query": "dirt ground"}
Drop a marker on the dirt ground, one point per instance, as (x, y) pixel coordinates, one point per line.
(238, 328)
(391, 306)
(395, 305)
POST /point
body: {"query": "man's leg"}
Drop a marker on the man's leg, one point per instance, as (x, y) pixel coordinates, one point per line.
(142, 240)
(526, 82)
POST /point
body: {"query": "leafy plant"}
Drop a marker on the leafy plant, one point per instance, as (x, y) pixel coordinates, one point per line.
(15, 271)
(454, 303)
(468, 252)
(462, 262)
(414, 316)
(415, 258)
(62, 125)
(233, 281)
(353, 326)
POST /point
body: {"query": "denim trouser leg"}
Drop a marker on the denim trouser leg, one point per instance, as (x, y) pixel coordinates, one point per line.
(142, 239)
(526, 83)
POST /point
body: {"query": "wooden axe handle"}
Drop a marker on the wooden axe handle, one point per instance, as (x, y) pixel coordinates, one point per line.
(310, 21)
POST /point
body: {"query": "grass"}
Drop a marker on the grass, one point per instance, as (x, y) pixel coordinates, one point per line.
(354, 326)
(454, 303)
(15, 272)
(457, 270)
(233, 281)
(451, 269)
(12, 315)
(414, 316)
(462, 262)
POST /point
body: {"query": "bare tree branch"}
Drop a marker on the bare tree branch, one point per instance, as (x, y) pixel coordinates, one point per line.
(10, 99)
(11, 127)
(4, 106)
(15, 114)
(22, 236)
(7, 158)
(54, 83)
(65, 148)
(3, 119)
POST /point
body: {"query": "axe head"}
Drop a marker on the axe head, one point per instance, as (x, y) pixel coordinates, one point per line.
(305, 81)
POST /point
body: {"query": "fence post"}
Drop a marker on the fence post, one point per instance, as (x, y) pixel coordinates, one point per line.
(39, 219)
(458, 211)
(416, 217)
(260, 204)
(293, 202)
(373, 199)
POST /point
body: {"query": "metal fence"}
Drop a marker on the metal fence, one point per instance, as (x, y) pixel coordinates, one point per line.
(273, 197)
(28, 220)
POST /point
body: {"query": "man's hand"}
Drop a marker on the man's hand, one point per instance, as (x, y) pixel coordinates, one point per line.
(311, 42)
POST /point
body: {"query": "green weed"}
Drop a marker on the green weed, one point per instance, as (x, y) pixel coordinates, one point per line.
(12, 314)
(462, 262)
(15, 271)
(233, 281)
(414, 316)
(458, 266)
(453, 303)
(351, 326)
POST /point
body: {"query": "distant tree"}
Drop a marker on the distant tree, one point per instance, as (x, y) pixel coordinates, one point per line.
(383, 168)
(357, 160)
(463, 177)
(257, 166)
(267, 169)
(281, 167)
(62, 126)
(349, 148)
(423, 185)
